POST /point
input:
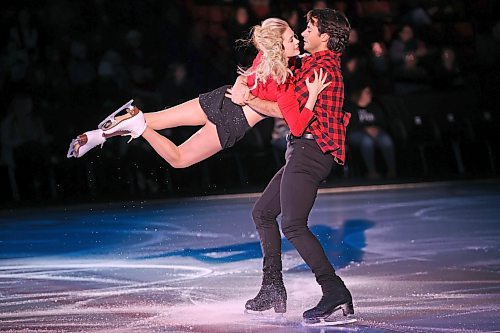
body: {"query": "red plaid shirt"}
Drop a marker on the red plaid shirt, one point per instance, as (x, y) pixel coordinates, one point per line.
(331, 121)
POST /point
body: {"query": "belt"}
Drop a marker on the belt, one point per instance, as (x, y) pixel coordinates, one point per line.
(307, 136)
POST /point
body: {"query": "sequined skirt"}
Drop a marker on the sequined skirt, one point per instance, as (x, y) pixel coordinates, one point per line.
(228, 117)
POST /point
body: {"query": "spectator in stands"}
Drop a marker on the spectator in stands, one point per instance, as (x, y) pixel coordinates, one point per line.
(82, 74)
(80, 69)
(320, 4)
(293, 19)
(280, 131)
(24, 33)
(353, 71)
(260, 8)
(406, 44)
(111, 67)
(355, 62)
(15, 63)
(177, 86)
(411, 77)
(488, 44)
(376, 9)
(379, 67)
(239, 29)
(24, 145)
(415, 14)
(58, 78)
(140, 69)
(355, 47)
(447, 73)
(406, 53)
(367, 131)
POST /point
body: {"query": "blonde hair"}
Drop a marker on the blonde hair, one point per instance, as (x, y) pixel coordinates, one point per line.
(268, 39)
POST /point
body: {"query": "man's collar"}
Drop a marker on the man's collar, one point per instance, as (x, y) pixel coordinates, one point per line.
(326, 53)
(321, 55)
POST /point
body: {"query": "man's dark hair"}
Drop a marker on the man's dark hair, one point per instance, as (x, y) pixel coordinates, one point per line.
(334, 23)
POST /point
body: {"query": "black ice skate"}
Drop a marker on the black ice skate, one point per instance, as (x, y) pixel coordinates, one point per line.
(272, 294)
(329, 303)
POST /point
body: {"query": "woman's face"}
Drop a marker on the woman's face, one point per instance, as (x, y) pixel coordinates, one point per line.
(290, 43)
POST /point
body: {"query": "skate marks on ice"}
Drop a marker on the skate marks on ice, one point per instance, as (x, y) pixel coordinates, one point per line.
(88, 271)
(118, 297)
(328, 322)
(429, 264)
(343, 245)
(61, 295)
(281, 320)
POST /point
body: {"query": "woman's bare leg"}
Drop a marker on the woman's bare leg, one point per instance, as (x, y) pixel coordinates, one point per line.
(186, 114)
(252, 116)
(198, 147)
(189, 113)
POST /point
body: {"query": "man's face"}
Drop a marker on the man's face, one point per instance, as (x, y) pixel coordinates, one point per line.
(312, 38)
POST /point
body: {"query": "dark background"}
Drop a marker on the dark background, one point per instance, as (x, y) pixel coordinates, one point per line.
(65, 65)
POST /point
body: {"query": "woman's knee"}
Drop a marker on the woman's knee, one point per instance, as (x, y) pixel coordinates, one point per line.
(179, 163)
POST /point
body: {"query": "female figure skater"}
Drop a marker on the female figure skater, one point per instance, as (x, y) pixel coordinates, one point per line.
(223, 122)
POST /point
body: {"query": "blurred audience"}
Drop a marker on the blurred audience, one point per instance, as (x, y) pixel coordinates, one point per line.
(405, 43)
(280, 131)
(379, 66)
(406, 54)
(367, 132)
(447, 73)
(239, 29)
(25, 148)
(79, 61)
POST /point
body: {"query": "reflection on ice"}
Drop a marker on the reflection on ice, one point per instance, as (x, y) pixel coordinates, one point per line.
(342, 245)
(420, 260)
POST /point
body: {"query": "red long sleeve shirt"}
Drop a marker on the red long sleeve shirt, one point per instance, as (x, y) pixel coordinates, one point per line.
(284, 95)
(330, 127)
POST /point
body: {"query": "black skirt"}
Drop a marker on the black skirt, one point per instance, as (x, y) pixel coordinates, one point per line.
(228, 117)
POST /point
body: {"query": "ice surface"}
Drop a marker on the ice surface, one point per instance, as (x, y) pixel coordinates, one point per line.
(416, 260)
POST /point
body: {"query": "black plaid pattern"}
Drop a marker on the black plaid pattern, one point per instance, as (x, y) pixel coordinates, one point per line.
(330, 129)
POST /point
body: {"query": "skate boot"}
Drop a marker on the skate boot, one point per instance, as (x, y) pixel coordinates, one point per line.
(111, 120)
(272, 294)
(333, 299)
(132, 123)
(85, 142)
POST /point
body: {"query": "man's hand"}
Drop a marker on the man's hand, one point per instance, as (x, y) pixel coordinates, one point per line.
(238, 95)
(266, 108)
(239, 92)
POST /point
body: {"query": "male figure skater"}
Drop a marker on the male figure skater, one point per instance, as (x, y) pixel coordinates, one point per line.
(309, 160)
